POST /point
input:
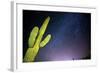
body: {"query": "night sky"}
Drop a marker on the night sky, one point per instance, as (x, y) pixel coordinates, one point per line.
(71, 35)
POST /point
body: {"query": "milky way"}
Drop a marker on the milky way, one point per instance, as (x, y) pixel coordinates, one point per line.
(71, 35)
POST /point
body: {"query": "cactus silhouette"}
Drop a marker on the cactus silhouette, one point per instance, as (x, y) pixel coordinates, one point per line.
(35, 41)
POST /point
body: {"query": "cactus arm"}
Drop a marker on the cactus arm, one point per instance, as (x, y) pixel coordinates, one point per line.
(42, 31)
(33, 36)
(45, 41)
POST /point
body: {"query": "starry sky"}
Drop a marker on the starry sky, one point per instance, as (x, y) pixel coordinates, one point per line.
(71, 35)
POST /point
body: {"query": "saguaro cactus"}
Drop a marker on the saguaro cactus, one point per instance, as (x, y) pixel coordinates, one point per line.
(35, 41)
